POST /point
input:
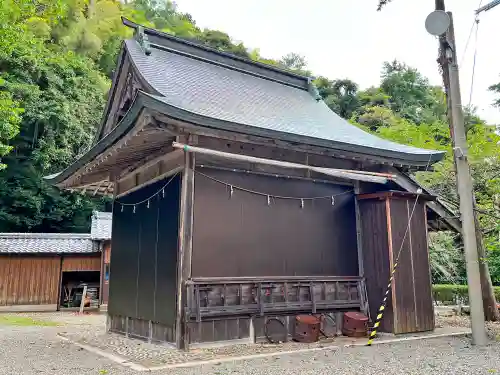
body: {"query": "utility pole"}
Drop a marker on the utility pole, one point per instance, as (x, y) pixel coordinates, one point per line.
(464, 180)
(491, 312)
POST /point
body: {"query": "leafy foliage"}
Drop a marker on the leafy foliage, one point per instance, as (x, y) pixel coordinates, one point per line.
(451, 293)
(496, 89)
(10, 119)
(382, 3)
(57, 99)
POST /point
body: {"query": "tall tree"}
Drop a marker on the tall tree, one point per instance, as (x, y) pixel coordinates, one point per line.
(340, 95)
(61, 95)
(496, 89)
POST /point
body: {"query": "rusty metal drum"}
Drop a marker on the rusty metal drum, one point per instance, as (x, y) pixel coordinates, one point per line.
(306, 328)
(355, 324)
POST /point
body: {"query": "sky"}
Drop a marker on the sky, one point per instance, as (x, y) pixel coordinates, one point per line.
(350, 39)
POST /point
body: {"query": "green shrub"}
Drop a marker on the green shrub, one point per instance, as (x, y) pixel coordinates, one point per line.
(450, 294)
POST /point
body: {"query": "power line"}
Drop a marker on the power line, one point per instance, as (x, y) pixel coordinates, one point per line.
(473, 65)
(470, 32)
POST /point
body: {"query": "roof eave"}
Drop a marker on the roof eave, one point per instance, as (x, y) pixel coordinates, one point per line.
(144, 100)
(210, 122)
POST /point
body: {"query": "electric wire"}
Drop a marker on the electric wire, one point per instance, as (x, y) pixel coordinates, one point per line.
(476, 17)
(231, 186)
(473, 66)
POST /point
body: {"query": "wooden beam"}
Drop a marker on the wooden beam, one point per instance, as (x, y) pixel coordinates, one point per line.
(380, 178)
(409, 213)
(143, 176)
(391, 263)
(120, 193)
(359, 234)
(152, 160)
(277, 174)
(185, 249)
(188, 128)
(97, 188)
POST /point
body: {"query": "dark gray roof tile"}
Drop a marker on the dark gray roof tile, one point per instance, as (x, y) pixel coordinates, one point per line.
(219, 92)
(46, 243)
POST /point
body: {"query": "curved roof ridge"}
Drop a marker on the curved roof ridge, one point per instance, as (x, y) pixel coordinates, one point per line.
(196, 49)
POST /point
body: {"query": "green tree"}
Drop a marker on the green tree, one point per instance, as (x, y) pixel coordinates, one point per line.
(10, 119)
(496, 89)
(293, 61)
(56, 99)
(340, 95)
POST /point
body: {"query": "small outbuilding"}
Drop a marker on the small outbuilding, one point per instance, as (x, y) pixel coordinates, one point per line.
(47, 271)
(239, 196)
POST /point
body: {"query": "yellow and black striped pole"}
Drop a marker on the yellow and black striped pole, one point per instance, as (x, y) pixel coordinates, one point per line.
(383, 305)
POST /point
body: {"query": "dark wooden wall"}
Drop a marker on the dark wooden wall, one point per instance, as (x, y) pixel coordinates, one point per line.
(375, 245)
(143, 263)
(29, 280)
(384, 222)
(243, 236)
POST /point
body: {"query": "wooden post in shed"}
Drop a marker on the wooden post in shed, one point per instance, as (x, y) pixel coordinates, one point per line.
(185, 248)
(392, 222)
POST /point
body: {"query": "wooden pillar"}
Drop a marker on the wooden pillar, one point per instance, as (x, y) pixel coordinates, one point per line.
(359, 233)
(359, 242)
(59, 284)
(185, 248)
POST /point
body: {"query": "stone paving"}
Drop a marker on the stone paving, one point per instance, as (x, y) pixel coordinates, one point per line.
(155, 355)
(36, 350)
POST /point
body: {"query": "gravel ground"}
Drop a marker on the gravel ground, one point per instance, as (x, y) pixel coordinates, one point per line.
(37, 350)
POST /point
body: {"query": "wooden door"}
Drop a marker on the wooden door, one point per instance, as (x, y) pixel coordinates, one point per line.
(412, 307)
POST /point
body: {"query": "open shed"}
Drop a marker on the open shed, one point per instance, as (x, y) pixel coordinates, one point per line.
(40, 271)
(240, 196)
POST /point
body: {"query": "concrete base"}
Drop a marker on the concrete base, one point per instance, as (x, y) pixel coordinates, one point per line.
(28, 308)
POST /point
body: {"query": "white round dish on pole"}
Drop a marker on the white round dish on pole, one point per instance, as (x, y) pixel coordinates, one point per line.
(437, 23)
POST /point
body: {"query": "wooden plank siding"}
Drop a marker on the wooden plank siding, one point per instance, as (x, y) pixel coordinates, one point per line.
(412, 285)
(82, 263)
(243, 235)
(29, 280)
(406, 317)
(423, 283)
(142, 285)
(386, 233)
(376, 257)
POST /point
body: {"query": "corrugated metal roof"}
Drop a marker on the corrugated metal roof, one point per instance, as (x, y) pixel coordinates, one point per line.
(47, 243)
(101, 225)
(212, 90)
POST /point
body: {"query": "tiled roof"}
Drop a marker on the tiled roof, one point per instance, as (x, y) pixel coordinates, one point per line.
(218, 91)
(101, 225)
(47, 243)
